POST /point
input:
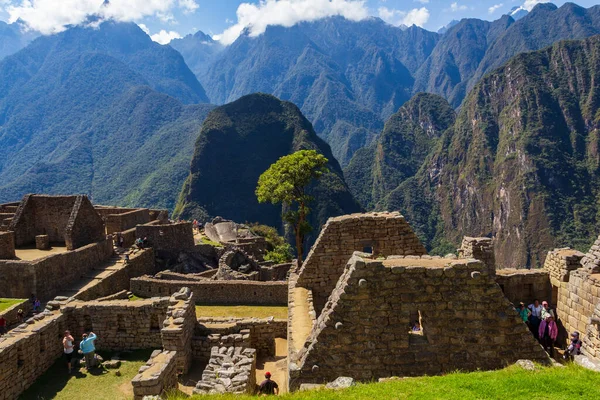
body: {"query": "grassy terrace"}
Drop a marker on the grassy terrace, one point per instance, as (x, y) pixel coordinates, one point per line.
(100, 384)
(571, 382)
(7, 303)
(241, 311)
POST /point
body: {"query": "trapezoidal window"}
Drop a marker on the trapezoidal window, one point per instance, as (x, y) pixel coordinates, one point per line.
(121, 323)
(416, 331)
(154, 323)
(367, 246)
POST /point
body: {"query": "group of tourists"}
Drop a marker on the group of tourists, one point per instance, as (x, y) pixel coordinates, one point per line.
(196, 225)
(86, 347)
(541, 320)
(120, 240)
(141, 243)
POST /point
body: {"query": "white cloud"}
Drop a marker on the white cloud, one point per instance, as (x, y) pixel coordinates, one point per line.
(416, 16)
(164, 37)
(529, 4)
(457, 7)
(493, 8)
(188, 6)
(52, 16)
(257, 17)
(422, 1)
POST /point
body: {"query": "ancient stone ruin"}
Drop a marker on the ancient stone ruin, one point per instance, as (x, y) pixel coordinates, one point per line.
(352, 306)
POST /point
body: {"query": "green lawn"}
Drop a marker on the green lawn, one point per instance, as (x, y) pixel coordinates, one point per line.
(7, 303)
(83, 385)
(243, 311)
(571, 382)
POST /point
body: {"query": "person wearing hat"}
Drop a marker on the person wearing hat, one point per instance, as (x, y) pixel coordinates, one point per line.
(524, 313)
(546, 311)
(574, 348)
(548, 333)
(268, 386)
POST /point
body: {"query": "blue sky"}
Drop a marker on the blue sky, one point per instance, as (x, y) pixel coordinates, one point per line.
(165, 19)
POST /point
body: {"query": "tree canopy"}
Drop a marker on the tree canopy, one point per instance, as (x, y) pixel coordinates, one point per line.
(286, 181)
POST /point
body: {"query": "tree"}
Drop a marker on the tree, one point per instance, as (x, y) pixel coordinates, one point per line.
(285, 182)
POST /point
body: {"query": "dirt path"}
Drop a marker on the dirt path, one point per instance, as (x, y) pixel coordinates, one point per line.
(302, 323)
(277, 366)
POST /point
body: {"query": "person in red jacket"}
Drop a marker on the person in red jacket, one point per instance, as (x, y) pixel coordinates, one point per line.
(548, 333)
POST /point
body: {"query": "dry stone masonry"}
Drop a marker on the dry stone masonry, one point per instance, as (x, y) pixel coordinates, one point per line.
(382, 234)
(364, 331)
(178, 328)
(479, 248)
(157, 376)
(230, 370)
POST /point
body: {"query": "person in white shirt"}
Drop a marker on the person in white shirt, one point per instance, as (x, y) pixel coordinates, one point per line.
(536, 314)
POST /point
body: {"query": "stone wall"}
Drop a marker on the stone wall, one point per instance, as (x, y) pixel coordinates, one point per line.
(7, 245)
(157, 376)
(479, 248)
(117, 279)
(382, 234)
(120, 324)
(65, 219)
(169, 237)
(559, 264)
(26, 353)
(48, 276)
(85, 225)
(259, 334)
(215, 292)
(127, 220)
(364, 330)
(11, 313)
(524, 285)
(230, 370)
(178, 328)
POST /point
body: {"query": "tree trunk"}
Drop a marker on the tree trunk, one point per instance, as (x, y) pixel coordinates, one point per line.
(300, 235)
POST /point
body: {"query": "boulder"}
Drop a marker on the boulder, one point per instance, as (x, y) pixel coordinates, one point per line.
(342, 382)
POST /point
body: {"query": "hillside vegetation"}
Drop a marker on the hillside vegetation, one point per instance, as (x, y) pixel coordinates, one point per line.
(520, 163)
(97, 111)
(238, 142)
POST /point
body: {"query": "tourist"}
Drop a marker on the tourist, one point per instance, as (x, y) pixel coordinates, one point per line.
(121, 241)
(268, 386)
(139, 243)
(3, 328)
(126, 258)
(574, 348)
(37, 305)
(88, 349)
(416, 326)
(548, 333)
(145, 241)
(546, 311)
(20, 315)
(534, 320)
(524, 312)
(68, 347)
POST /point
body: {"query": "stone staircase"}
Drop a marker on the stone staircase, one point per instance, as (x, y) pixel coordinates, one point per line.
(93, 276)
(7, 212)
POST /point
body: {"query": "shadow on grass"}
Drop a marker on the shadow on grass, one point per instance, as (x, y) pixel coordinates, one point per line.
(57, 378)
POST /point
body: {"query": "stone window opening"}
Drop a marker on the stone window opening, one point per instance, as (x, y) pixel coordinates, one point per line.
(87, 323)
(554, 295)
(121, 323)
(20, 358)
(367, 246)
(416, 332)
(154, 323)
(42, 345)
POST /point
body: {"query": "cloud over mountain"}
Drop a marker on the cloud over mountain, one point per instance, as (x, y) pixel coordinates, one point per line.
(53, 16)
(257, 17)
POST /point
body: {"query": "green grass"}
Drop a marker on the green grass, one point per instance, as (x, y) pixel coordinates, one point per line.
(99, 385)
(133, 297)
(241, 311)
(205, 240)
(571, 382)
(7, 303)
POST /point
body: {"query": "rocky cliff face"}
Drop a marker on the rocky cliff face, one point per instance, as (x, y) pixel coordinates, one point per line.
(398, 153)
(238, 142)
(520, 163)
